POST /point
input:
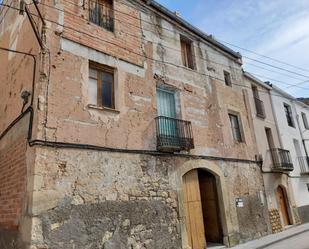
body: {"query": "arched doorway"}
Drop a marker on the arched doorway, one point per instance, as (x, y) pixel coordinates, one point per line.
(202, 210)
(283, 207)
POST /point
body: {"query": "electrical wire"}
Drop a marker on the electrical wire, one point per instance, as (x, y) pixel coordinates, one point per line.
(264, 56)
(64, 145)
(173, 31)
(172, 48)
(149, 58)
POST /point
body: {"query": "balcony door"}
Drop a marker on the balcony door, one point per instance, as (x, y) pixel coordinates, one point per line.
(167, 108)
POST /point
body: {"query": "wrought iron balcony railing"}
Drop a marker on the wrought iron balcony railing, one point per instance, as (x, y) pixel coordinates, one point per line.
(281, 160)
(174, 134)
(304, 165)
(102, 15)
(259, 106)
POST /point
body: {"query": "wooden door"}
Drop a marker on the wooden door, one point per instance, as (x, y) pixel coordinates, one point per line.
(210, 207)
(283, 206)
(193, 211)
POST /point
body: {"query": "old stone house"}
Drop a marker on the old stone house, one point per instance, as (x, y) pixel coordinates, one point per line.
(123, 126)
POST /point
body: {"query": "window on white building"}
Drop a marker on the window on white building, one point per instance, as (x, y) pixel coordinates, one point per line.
(288, 114)
(304, 117)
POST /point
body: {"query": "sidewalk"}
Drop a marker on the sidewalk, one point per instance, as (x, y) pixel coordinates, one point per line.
(274, 238)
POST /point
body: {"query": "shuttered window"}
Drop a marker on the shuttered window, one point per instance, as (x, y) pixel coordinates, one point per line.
(227, 78)
(101, 13)
(235, 126)
(186, 53)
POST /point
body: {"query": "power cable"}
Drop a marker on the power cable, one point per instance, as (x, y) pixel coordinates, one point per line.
(258, 61)
(144, 56)
(265, 56)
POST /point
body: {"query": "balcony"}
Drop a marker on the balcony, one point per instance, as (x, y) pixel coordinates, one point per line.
(259, 106)
(281, 160)
(304, 165)
(173, 134)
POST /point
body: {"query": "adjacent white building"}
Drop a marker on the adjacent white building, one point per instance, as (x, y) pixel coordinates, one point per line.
(292, 121)
(276, 161)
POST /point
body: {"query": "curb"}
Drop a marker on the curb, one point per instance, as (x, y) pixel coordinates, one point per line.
(282, 239)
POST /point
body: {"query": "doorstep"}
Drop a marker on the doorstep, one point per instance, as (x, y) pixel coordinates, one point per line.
(215, 246)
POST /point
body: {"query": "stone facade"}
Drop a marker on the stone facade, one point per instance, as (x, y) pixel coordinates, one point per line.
(119, 200)
(94, 178)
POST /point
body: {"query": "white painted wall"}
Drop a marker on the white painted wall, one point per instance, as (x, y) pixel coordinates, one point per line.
(288, 136)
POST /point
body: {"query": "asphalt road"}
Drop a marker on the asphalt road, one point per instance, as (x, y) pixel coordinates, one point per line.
(300, 241)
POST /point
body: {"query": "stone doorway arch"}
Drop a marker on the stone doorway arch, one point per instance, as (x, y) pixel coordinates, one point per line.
(215, 170)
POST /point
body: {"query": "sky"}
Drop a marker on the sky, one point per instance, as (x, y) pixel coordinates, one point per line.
(275, 28)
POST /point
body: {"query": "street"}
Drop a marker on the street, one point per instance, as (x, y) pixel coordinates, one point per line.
(300, 241)
(296, 237)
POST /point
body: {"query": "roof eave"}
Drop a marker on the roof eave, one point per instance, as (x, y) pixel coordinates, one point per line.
(193, 29)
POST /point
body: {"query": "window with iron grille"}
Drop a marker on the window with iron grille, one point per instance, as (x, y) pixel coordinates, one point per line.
(227, 78)
(236, 128)
(186, 52)
(304, 117)
(101, 13)
(288, 114)
(101, 86)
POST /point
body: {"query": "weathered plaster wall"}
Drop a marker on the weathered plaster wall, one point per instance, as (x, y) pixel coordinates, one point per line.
(87, 199)
(261, 123)
(80, 199)
(271, 180)
(16, 75)
(202, 99)
(16, 69)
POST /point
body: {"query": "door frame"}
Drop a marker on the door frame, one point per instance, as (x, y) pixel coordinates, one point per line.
(288, 208)
(223, 198)
(218, 206)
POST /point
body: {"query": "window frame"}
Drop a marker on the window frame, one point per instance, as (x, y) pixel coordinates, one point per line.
(289, 115)
(111, 16)
(187, 54)
(100, 69)
(236, 138)
(305, 120)
(227, 78)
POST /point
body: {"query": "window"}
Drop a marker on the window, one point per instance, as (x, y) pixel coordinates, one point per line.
(101, 86)
(227, 78)
(236, 129)
(288, 114)
(186, 53)
(306, 125)
(101, 13)
(259, 105)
